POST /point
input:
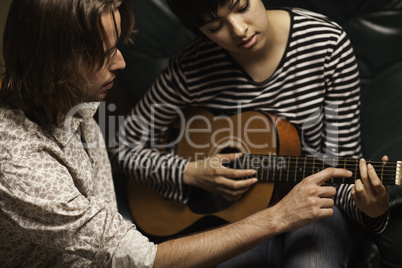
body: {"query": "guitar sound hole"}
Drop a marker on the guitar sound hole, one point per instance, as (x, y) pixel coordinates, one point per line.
(204, 202)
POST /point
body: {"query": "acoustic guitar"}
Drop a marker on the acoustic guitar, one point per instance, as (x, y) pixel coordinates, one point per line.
(269, 144)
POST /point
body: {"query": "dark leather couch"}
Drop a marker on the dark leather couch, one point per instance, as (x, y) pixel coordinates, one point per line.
(375, 30)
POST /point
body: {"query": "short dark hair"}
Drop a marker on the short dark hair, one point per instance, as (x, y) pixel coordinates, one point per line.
(48, 47)
(192, 12)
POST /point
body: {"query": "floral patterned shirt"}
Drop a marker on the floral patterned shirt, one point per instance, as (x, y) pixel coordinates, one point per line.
(57, 201)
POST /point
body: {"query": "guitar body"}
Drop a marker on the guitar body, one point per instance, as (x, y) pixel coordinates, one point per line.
(202, 135)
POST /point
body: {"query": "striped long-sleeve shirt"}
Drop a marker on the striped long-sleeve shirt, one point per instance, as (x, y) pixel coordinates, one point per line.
(315, 87)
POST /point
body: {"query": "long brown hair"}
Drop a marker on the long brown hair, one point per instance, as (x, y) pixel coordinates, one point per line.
(48, 48)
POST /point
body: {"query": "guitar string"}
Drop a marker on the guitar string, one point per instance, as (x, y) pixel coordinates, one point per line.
(384, 175)
(316, 159)
(263, 157)
(351, 162)
(389, 169)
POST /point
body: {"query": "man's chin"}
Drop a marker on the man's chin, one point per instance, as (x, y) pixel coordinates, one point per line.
(96, 98)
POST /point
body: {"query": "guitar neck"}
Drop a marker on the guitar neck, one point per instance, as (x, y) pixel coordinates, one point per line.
(277, 168)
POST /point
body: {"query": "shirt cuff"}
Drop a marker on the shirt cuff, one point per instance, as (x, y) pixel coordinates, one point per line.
(134, 250)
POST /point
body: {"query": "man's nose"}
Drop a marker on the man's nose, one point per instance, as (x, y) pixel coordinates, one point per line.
(118, 62)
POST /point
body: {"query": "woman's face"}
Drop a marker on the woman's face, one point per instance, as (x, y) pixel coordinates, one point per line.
(239, 27)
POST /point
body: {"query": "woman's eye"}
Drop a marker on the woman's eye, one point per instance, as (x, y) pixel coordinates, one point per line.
(215, 28)
(245, 7)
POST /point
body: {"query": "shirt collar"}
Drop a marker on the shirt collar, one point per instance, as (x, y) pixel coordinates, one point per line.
(77, 115)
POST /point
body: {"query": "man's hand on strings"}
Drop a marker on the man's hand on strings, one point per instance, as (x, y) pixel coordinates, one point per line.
(310, 200)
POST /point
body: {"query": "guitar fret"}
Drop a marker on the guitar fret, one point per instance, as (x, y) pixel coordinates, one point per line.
(248, 162)
(356, 169)
(270, 165)
(323, 162)
(260, 171)
(264, 170)
(312, 170)
(334, 165)
(241, 164)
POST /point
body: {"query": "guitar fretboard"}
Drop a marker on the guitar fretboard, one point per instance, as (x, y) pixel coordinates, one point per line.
(277, 168)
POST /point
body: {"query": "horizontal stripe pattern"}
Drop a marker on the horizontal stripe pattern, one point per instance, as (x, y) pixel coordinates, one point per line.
(316, 87)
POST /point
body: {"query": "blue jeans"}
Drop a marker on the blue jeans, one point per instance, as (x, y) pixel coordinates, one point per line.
(326, 243)
(390, 241)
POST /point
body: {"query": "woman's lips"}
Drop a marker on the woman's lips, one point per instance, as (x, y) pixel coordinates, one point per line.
(249, 42)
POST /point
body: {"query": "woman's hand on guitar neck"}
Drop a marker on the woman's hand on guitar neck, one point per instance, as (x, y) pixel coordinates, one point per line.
(211, 175)
(370, 195)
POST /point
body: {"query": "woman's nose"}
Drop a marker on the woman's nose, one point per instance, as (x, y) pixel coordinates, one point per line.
(239, 27)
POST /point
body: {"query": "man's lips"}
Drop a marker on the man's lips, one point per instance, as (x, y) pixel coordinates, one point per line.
(109, 84)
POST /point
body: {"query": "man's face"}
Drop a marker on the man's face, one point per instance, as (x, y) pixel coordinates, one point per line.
(101, 81)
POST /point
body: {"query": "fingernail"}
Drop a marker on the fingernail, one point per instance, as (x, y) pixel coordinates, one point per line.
(369, 166)
(350, 173)
(362, 159)
(252, 172)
